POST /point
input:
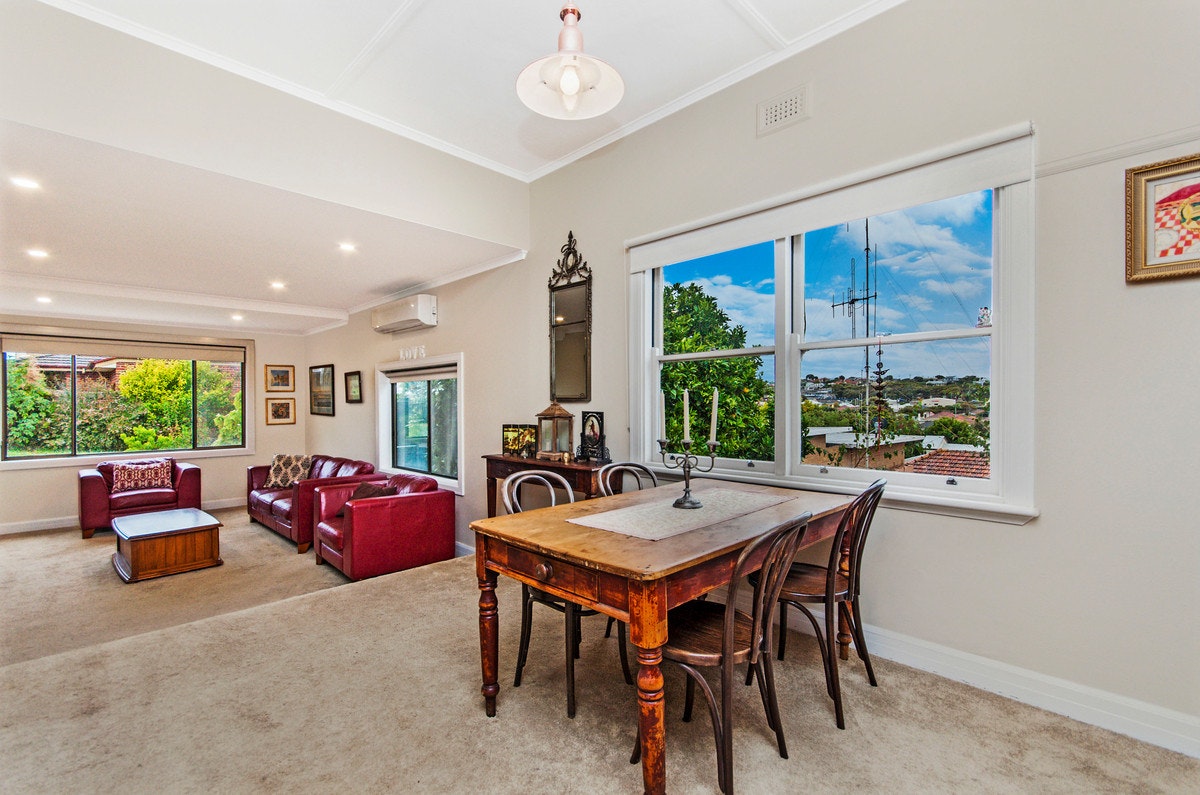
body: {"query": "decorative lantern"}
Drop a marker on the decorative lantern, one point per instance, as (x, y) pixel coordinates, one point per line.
(555, 433)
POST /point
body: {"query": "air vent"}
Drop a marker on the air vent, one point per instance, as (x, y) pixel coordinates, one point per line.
(783, 110)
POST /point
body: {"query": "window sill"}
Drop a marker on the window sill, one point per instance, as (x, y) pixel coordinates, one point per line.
(86, 461)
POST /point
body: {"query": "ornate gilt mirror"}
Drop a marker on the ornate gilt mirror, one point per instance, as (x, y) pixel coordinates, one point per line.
(570, 326)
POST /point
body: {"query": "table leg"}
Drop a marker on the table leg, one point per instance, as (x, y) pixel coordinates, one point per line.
(489, 639)
(651, 720)
(491, 497)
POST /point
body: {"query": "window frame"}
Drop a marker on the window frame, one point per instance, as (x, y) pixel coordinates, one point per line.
(434, 368)
(1007, 496)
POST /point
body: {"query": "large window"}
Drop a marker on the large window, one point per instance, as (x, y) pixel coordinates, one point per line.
(420, 417)
(879, 326)
(70, 396)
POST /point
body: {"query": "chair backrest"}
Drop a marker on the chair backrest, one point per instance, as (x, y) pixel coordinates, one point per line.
(780, 545)
(614, 474)
(851, 537)
(511, 487)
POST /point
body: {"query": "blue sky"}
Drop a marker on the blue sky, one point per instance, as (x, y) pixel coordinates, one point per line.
(933, 271)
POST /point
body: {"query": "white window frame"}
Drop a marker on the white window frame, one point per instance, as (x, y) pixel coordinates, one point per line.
(1003, 161)
(387, 373)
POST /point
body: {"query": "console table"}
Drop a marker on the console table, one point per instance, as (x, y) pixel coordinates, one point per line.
(584, 476)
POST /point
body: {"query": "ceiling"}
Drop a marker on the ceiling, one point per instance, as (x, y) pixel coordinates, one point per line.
(427, 71)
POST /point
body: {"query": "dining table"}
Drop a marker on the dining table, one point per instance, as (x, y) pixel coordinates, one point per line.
(634, 556)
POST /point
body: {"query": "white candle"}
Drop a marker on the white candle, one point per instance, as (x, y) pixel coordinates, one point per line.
(687, 432)
(662, 415)
(712, 431)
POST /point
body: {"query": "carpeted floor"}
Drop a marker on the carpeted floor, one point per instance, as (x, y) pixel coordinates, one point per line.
(374, 687)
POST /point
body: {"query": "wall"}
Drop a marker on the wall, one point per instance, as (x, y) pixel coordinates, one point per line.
(223, 477)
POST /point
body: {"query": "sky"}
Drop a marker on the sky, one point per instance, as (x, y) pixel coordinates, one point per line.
(930, 270)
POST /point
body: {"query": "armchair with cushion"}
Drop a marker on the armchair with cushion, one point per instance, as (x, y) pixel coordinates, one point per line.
(279, 495)
(121, 488)
(368, 529)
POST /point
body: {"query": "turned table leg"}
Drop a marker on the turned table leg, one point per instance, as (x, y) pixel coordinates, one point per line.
(489, 635)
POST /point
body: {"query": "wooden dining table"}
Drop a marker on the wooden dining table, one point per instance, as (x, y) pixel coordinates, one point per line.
(634, 579)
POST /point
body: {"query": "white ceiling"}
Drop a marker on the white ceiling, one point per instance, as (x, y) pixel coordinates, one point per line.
(428, 71)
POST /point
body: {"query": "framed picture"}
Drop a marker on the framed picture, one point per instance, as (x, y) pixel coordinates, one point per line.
(519, 440)
(354, 387)
(1162, 220)
(280, 378)
(591, 437)
(281, 411)
(320, 390)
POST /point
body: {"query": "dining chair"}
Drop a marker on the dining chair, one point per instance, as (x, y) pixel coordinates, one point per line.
(510, 489)
(612, 479)
(703, 633)
(836, 588)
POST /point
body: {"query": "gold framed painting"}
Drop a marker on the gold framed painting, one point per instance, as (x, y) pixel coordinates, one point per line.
(1162, 220)
(281, 411)
(280, 377)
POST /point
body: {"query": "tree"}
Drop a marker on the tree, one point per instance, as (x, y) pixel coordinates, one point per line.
(163, 389)
(38, 418)
(955, 431)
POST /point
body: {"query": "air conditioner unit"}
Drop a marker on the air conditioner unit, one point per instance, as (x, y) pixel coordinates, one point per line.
(416, 311)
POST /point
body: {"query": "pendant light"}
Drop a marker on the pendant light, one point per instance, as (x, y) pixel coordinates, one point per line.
(569, 84)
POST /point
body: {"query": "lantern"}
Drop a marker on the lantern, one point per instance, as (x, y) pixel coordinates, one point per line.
(555, 433)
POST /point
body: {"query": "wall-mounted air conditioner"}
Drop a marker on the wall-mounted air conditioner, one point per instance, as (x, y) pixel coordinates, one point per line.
(416, 311)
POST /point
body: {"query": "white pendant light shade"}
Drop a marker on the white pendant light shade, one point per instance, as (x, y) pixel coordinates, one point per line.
(569, 84)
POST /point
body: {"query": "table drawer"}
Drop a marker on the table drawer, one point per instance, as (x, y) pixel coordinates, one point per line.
(551, 571)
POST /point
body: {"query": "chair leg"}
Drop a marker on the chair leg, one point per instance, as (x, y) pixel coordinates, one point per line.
(572, 650)
(688, 699)
(782, 629)
(831, 666)
(526, 627)
(721, 717)
(608, 627)
(771, 700)
(860, 642)
(624, 655)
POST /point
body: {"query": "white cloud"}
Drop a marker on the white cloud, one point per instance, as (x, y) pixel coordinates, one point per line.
(746, 307)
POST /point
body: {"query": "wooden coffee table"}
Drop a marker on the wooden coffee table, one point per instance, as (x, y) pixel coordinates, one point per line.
(165, 542)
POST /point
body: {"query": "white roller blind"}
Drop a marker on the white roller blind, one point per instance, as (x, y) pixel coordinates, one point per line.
(993, 161)
(120, 348)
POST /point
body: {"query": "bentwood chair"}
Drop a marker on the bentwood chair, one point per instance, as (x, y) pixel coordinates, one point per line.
(837, 589)
(612, 478)
(511, 491)
(707, 634)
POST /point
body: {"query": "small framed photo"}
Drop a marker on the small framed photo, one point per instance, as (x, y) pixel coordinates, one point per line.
(1162, 220)
(320, 390)
(281, 411)
(354, 387)
(591, 438)
(280, 378)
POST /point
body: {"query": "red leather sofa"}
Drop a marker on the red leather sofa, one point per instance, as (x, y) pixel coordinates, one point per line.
(289, 511)
(98, 503)
(381, 535)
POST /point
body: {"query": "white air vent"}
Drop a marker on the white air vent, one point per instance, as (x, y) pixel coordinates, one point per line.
(416, 311)
(784, 110)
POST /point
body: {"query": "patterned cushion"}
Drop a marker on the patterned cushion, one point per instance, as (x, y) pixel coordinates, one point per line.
(154, 474)
(286, 470)
(366, 490)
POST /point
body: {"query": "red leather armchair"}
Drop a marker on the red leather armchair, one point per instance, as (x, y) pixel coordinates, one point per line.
(98, 503)
(289, 511)
(381, 535)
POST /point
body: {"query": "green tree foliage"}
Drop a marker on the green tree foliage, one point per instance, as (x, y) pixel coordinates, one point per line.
(101, 414)
(956, 431)
(694, 322)
(38, 422)
(218, 407)
(163, 390)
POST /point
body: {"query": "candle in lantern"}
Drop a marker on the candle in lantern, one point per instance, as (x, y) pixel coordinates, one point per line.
(687, 432)
(712, 431)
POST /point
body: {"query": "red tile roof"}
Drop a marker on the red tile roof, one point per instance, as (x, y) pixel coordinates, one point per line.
(958, 463)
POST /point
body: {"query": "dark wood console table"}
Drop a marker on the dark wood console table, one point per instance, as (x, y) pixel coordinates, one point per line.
(584, 476)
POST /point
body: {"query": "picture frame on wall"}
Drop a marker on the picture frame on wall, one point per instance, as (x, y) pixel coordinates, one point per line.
(279, 378)
(320, 390)
(281, 411)
(1162, 220)
(354, 387)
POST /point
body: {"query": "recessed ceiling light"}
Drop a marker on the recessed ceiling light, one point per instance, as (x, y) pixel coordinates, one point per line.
(236, 317)
(37, 253)
(25, 182)
(43, 299)
(278, 285)
(348, 247)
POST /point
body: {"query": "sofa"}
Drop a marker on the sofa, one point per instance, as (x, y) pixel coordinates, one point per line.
(372, 535)
(121, 488)
(288, 510)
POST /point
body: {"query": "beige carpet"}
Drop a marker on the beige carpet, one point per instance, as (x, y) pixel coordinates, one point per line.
(374, 687)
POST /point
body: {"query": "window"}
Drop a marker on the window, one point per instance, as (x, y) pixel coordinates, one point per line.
(420, 417)
(882, 323)
(71, 396)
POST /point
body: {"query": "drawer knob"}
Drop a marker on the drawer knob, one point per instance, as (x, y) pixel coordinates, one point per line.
(543, 571)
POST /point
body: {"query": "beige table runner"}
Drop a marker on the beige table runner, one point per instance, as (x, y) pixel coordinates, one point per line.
(658, 520)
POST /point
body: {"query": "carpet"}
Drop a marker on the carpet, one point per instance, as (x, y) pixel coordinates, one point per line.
(374, 687)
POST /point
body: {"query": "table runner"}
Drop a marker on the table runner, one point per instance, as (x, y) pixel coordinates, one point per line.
(657, 520)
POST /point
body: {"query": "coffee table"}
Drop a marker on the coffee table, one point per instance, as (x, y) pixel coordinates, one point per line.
(165, 542)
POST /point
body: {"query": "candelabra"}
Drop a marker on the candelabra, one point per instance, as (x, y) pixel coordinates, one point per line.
(687, 461)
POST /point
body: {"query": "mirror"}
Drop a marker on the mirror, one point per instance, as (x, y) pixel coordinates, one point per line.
(570, 327)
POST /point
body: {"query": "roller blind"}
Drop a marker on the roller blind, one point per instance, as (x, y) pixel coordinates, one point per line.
(120, 348)
(996, 160)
